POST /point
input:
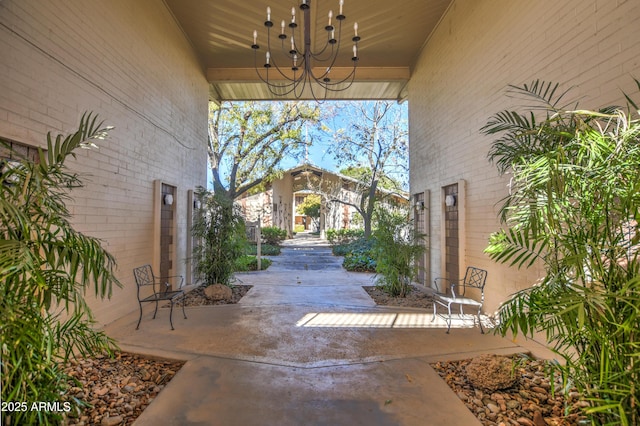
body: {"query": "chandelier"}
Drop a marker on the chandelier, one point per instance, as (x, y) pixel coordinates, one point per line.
(293, 65)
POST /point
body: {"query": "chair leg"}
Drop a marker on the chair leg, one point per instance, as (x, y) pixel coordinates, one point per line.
(156, 311)
(183, 312)
(480, 322)
(449, 317)
(434, 312)
(171, 316)
(139, 319)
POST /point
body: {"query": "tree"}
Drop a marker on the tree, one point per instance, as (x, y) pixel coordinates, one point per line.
(248, 140)
(310, 207)
(375, 143)
(45, 268)
(574, 209)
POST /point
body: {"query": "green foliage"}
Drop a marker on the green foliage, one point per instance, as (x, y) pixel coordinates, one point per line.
(359, 256)
(573, 209)
(396, 247)
(365, 174)
(265, 249)
(220, 230)
(343, 236)
(298, 228)
(248, 140)
(273, 235)
(250, 263)
(310, 206)
(45, 268)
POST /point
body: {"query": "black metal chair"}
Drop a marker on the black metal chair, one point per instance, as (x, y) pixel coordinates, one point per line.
(474, 278)
(160, 286)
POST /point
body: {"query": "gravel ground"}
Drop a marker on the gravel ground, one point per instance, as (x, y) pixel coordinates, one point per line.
(117, 389)
(196, 297)
(415, 299)
(533, 401)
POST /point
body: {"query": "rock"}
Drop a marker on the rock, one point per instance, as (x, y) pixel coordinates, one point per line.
(513, 404)
(218, 292)
(493, 408)
(491, 372)
(111, 421)
(538, 420)
(525, 421)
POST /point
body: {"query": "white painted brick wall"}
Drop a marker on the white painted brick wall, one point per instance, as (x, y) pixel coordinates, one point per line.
(458, 83)
(129, 62)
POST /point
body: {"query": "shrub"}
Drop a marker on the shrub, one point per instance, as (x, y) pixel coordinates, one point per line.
(265, 250)
(344, 236)
(250, 263)
(273, 235)
(46, 267)
(358, 255)
(359, 262)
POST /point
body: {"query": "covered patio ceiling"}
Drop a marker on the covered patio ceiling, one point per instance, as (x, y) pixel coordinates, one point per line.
(393, 33)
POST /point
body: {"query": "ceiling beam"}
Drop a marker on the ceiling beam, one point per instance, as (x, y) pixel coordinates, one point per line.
(229, 75)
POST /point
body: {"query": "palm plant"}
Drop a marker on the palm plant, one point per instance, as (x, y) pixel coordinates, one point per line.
(45, 268)
(573, 207)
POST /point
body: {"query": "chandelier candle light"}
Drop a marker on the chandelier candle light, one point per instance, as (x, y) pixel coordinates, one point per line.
(299, 61)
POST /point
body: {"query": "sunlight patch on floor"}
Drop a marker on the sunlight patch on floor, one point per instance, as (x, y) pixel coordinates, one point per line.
(383, 320)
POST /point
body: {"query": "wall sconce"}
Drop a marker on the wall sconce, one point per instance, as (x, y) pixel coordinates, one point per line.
(167, 199)
(419, 205)
(450, 200)
(196, 204)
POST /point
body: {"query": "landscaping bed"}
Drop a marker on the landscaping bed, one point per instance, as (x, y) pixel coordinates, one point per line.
(117, 389)
(533, 401)
(196, 297)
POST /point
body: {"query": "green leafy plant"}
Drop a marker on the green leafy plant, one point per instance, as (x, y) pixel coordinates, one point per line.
(250, 263)
(219, 229)
(310, 207)
(396, 246)
(46, 266)
(573, 208)
(273, 235)
(344, 236)
(265, 250)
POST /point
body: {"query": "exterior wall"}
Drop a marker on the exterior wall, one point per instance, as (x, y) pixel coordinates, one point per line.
(283, 198)
(130, 63)
(459, 81)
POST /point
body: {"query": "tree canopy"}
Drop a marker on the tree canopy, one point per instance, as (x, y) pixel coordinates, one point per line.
(372, 146)
(248, 140)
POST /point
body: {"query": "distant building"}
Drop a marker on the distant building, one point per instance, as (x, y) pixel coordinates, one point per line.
(277, 205)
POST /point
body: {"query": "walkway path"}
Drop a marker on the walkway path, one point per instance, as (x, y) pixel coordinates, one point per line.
(305, 346)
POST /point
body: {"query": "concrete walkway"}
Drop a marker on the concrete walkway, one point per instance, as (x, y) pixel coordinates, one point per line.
(305, 346)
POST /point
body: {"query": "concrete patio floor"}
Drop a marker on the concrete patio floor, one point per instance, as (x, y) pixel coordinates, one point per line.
(305, 346)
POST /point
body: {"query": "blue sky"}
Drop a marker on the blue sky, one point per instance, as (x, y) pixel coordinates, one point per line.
(337, 115)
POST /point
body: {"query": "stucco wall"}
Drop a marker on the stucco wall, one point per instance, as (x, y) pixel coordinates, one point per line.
(459, 81)
(129, 62)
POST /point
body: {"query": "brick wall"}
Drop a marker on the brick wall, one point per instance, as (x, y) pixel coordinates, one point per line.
(459, 81)
(129, 62)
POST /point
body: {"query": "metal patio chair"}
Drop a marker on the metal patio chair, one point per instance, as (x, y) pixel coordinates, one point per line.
(160, 286)
(474, 278)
